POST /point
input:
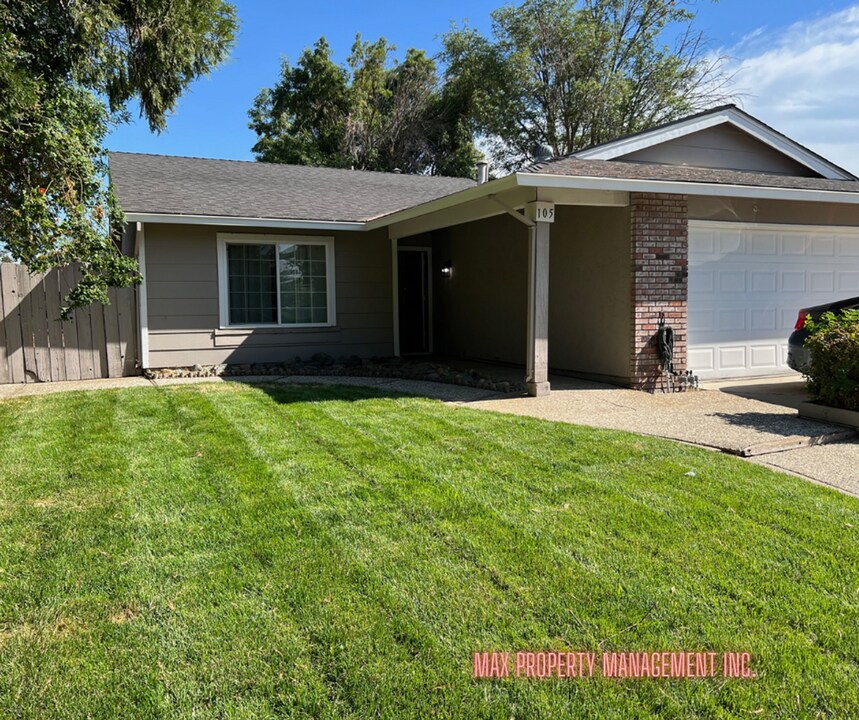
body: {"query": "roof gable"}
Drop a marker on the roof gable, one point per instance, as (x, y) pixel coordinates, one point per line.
(719, 130)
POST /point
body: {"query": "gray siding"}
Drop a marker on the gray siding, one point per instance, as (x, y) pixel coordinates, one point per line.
(184, 317)
(480, 311)
(590, 290)
(723, 146)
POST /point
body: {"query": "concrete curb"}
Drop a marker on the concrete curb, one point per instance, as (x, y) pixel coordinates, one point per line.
(824, 413)
(790, 443)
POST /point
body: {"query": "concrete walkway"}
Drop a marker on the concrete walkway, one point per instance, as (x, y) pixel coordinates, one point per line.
(756, 419)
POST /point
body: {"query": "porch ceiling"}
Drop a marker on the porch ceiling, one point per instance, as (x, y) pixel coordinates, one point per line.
(487, 205)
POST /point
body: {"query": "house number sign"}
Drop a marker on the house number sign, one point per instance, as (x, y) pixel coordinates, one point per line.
(539, 211)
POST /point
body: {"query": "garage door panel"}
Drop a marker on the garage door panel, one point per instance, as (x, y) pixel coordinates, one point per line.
(703, 358)
(848, 247)
(822, 282)
(764, 281)
(823, 246)
(730, 242)
(794, 245)
(762, 244)
(763, 319)
(788, 319)
(731, 320)
(764, 356)
(732, 281)
(732, 358)
(702, 320)
(848, 282)
(701, 281)
(746, 285)
(792, 280)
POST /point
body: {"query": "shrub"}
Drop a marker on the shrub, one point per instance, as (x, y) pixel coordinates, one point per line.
(833, 374)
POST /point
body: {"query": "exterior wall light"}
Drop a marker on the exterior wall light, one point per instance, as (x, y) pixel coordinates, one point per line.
(446, 268)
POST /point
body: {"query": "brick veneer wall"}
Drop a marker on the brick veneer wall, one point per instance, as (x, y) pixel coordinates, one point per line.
(659, 227)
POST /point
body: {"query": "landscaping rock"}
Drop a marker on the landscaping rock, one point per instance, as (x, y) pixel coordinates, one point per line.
(352, 366)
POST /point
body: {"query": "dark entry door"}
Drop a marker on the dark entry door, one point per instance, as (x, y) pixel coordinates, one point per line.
(414, 300)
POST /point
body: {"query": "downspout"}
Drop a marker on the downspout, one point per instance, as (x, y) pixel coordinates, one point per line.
(142, 309)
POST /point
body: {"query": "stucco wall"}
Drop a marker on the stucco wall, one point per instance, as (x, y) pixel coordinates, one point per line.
(183, 313)
(590, 292)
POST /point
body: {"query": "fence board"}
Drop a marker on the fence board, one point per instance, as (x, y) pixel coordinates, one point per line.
(11, 315)
(5, 371)
(57, 354)
(100, 341)
(85, 341)
(127, 309)
(66, 278)
(40, 328)
(28, 317)
(111, 334)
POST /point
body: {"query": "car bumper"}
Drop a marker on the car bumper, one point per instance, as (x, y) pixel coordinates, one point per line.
(798, 358)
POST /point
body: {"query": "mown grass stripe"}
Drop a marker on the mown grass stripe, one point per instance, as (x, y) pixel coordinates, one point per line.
(282, 551)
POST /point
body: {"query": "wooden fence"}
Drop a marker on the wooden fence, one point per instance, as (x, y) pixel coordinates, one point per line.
(100, 341)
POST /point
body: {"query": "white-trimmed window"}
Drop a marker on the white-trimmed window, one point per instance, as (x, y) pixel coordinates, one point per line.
(276, 280)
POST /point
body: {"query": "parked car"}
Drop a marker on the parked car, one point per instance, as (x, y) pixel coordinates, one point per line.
(798, 356)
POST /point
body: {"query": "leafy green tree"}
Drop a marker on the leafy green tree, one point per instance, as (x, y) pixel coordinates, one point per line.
(568, 74)
(302, 119)
(68, 70)
(372, 114)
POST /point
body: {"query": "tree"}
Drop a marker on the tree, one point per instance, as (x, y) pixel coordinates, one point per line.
(567, 74)
(301, 120)
(68, 70)
(373, 114)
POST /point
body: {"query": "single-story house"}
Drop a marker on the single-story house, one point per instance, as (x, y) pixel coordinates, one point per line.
(716, 222)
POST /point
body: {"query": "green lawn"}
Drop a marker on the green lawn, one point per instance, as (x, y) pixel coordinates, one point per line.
(235, 551)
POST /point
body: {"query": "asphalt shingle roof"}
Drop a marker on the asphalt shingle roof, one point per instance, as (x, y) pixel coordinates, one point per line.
(624, 170)
(173, 185)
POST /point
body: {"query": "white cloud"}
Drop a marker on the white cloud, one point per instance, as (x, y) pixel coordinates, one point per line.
(804, 81)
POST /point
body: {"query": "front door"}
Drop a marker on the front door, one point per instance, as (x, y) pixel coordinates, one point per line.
(414, 301)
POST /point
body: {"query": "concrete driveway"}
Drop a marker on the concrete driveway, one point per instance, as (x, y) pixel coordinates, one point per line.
(753, 419)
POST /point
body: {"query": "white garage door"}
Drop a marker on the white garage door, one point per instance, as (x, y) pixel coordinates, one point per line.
(747, 283)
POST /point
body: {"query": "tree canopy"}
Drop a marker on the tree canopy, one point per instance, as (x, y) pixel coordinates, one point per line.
(68, 70)
(373, 113)
(565, 75)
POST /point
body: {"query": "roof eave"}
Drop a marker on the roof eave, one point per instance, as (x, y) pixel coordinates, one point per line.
(529, 180)
(235, 221)
(582, 182)
(462, 196)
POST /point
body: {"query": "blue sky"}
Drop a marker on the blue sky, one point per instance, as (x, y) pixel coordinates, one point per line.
(796, 64)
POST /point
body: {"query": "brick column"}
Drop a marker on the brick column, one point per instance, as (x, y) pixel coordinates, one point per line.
(659, 226)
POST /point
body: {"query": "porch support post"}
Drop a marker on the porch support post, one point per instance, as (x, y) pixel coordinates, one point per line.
(395, 300)
(537, 380)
